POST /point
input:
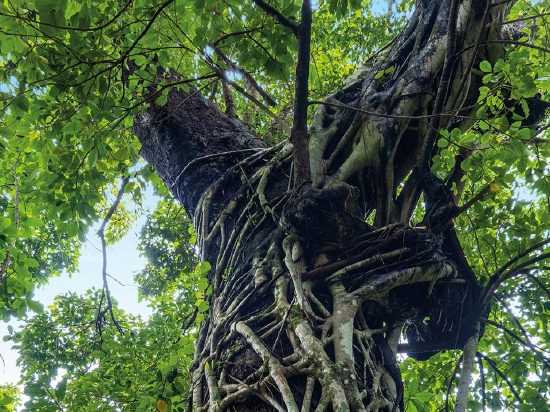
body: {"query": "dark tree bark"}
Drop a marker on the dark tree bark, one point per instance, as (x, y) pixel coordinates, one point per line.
(309, 301)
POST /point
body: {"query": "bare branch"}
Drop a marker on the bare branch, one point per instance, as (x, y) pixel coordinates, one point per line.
(518, 43)
(540, 284)
(496, 281)
(106, 292)
(521, 255)
(262, 106)
(230, 108)
(450, 383)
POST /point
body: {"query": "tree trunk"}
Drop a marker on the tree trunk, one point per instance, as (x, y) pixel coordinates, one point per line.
(308, 300)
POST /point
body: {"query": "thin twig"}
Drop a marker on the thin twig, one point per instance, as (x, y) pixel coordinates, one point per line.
(233, 66)
(71, 28)
(531, 346)
(501, 374)
(106, 292)
(540, 284)
(522, 254)
(518, 43)
(495, 281)
(7, 261)
(482, 381)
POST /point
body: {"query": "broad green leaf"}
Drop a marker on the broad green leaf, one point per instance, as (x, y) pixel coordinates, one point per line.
(61, 390)
(485, 66)
(35, 306)
(22, 103)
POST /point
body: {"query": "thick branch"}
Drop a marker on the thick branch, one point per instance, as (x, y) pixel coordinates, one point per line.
(299, 136)
(468, 361)
(186, 128)
(442, 91)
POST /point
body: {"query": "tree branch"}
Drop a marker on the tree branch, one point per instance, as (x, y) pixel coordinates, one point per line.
(474, 199)
(299, 136)
(272, 11)
(523, 342)
(468, 361)
(496, 281)
(482, 381)
(450, 383)
(502, 375)
(442, 90)
(245, 74)
(106, 292)
(518, 43)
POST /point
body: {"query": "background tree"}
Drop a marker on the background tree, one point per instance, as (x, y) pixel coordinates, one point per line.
(394, 206)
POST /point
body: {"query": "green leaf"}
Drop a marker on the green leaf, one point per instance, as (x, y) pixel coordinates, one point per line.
(161, 100)
(189, 348)
(52, 12)
(35, 306)
(30, 262)
(22, 103)
(424, 396)
(485, 66)
(6, 132)
(34, 222)
(92, 157)
(527, 86)
(202, 284)
(203, 268)
(174, 359)
(203, 306)
(5, 400)
(98, 354)
(524, 134)
(61, 390)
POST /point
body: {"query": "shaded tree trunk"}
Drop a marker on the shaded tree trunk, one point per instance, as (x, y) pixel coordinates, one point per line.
(309, 301)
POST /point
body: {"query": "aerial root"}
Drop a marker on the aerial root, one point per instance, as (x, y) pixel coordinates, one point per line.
(276, 370)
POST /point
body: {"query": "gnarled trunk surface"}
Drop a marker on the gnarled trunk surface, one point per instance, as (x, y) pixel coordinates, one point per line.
(309, 301)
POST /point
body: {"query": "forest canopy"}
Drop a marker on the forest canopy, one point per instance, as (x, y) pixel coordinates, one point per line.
(417, 130)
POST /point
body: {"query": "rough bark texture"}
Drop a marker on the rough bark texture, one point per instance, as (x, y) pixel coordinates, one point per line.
(309, 301)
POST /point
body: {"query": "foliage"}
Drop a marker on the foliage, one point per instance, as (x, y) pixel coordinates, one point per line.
(167, 241)
(66, 112)
(70, 364)
(9, 398)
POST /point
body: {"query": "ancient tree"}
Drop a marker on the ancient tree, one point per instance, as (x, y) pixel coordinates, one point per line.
(344, 222)
(309, 301)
